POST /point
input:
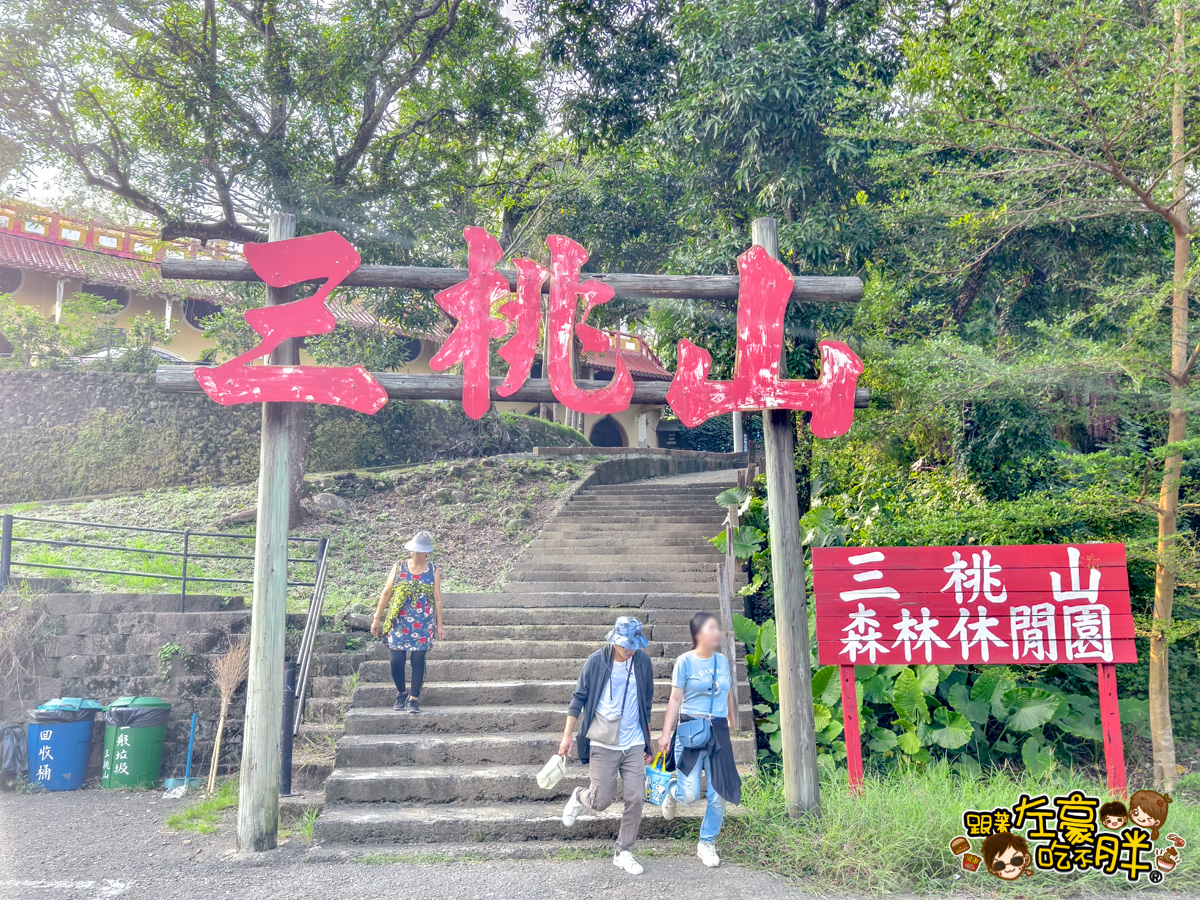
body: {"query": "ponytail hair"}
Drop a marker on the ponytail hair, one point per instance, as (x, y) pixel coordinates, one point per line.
(699, 620)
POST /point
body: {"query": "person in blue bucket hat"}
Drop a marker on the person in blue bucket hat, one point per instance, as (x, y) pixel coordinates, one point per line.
(611, 707)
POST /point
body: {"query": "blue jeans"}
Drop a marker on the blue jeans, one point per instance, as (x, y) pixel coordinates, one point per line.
(686, 789)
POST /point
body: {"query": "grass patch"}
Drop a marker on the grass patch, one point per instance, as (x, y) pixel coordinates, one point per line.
(203, 816)
(303, 825)
(894, 838)
(507, 499)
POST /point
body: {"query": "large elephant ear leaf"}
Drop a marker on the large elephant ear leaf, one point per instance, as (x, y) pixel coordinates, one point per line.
(909, 743)
(928, 677)
(950, 730)
(822, 716)
(1038, 757)
(733, 496)
(908, 699)
(745, 630)
(826, 685)
(1031, 708)
(768, 640)
(975, 710)
(747, 540)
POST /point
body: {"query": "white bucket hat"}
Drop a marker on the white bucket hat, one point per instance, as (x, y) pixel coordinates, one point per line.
(422, 542)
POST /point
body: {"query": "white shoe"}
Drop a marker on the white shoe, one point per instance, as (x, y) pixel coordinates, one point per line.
(708, 854)
(573, 808)
(670, 806)
(624, 860)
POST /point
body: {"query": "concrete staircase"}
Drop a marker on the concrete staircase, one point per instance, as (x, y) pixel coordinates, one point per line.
(495, 696)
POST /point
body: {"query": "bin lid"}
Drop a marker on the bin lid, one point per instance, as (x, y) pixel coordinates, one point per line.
(71, 703)
(141, 702)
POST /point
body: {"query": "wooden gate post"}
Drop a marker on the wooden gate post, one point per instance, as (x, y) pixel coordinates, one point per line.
(796, 725)
(258, 793)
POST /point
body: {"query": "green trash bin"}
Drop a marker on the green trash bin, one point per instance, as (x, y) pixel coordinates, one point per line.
(135, 728)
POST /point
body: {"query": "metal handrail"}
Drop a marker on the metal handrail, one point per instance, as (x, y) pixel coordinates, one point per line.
(8, 539)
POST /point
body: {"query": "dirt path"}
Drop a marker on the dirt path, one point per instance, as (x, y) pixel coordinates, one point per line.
(92, 845)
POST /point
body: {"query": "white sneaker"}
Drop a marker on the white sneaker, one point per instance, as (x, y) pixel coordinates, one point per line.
(708, 854)
(670, 806)
(573, 808)
(624, 860)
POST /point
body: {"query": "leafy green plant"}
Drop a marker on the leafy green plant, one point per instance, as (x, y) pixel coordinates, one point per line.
(167, 654)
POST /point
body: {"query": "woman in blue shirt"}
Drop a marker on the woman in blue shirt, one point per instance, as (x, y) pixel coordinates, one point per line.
(700, 691)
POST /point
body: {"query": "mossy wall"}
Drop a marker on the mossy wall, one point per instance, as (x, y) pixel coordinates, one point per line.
(74, 434)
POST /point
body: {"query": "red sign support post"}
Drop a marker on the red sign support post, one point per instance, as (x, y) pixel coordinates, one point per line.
(1013, 605)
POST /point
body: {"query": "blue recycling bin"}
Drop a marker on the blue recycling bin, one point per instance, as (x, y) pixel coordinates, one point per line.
(60, 743)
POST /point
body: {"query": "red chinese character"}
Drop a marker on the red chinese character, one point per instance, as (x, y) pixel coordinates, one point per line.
(766, 287)
(525, 312)
(566, 259)
(327, 256)
(471, 303)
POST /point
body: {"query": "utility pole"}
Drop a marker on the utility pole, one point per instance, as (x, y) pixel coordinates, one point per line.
(796, 725)
(258, 793)
(738, 443)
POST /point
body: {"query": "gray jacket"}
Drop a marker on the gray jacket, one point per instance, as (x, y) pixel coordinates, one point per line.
(594, 679)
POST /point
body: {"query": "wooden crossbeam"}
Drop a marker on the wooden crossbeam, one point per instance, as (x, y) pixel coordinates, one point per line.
(176, 379)
(805, 289)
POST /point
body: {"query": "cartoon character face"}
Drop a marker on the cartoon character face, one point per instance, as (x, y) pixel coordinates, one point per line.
(1148, 809)
(1006, 855)
(1008, 865)
(1113, 815)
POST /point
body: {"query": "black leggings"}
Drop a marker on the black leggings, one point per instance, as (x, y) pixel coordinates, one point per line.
(418, 670)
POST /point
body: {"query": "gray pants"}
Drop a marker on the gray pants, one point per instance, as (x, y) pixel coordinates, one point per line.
(603, 768)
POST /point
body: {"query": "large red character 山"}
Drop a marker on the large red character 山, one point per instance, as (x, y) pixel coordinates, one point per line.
(766, 287)
(327, 256)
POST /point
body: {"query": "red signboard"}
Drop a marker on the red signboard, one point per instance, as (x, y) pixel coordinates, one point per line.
(484, 309)
(1022, 605)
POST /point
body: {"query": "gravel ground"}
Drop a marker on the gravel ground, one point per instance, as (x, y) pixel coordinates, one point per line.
(91, 845)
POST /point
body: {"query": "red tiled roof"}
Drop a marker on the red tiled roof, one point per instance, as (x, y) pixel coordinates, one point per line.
(640, 361)
(29, 252)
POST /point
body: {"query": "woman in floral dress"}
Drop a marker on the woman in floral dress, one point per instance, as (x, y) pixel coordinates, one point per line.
(414, 625)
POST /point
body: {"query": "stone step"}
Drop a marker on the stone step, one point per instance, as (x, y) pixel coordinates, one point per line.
(443, 784)
(595, 633)
(581, 541)
(665, 515)
(562, 615)
(479, 720)
(629, 573)
(449, 823)
(698, 552)
(516, 599)
(81, 604)
(513, 748)
(145, 644)
(566, 586)
(633, 519)
(696, 599)
(508, 649)
(512, 669)
(152, 622)
(488, 693)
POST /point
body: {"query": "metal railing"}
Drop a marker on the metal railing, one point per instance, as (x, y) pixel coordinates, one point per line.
(11, 541)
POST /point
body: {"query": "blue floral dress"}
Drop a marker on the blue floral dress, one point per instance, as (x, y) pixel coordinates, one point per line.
(414, 627)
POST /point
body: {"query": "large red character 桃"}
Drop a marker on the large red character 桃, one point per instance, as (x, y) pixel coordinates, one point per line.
(327, 256)
(766, 287)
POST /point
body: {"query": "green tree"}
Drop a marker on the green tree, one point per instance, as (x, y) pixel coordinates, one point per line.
(1004, 123)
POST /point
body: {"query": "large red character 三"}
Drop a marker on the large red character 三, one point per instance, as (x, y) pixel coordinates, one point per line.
(327, 256)
(766, 287)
